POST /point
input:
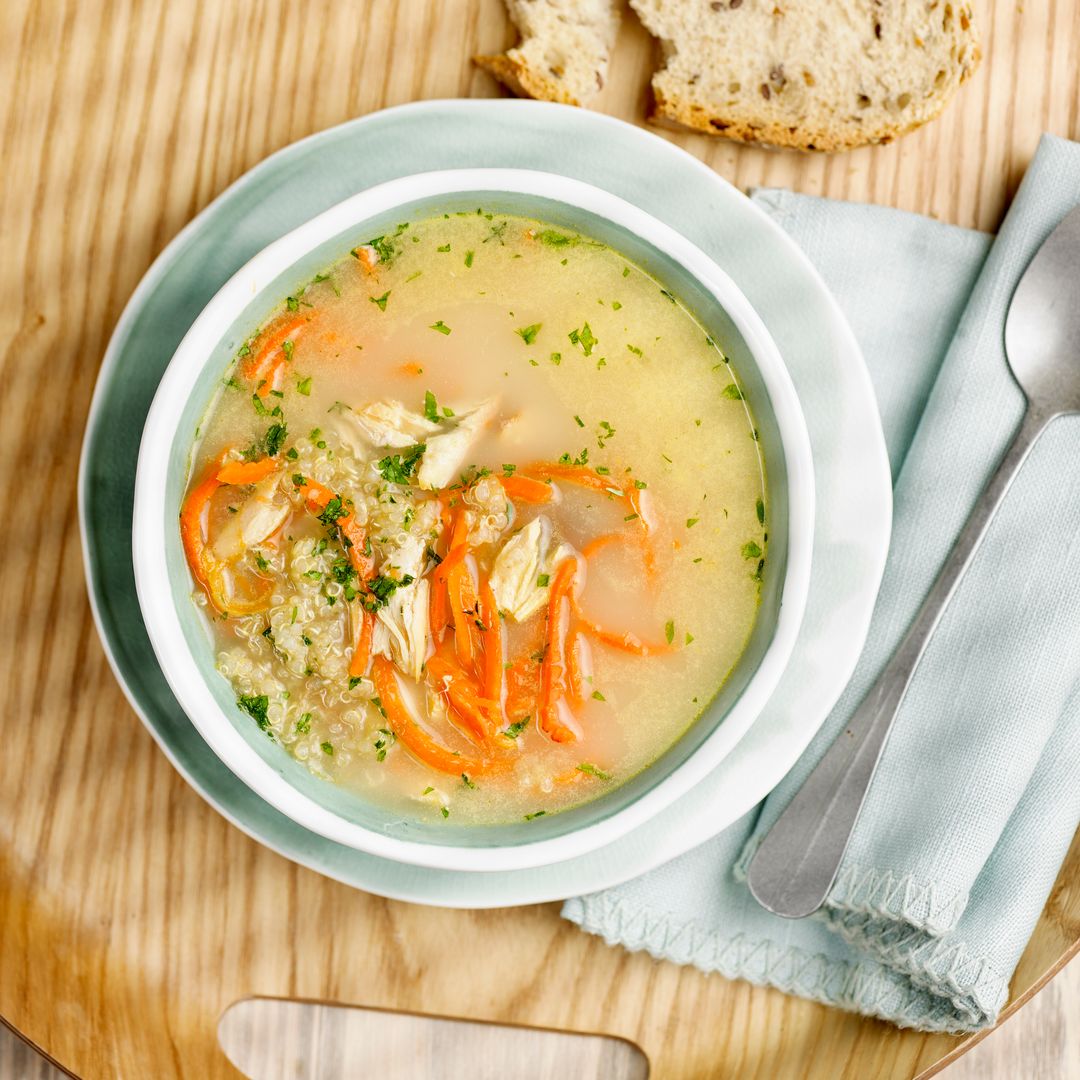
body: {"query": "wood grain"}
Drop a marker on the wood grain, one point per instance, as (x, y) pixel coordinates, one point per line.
(131, 914)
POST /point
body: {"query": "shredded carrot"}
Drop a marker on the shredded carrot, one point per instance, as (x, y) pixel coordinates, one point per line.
(578, 664)
(553, 668)
(480, 714)
(625, 490)
(409, 733)
(493, 643)
(246, 472)
(191, 527)
(357, 547)
(268, 353)
(527, 490)
(522, 687)
(365, 624)
(600, 542)
(208, 571)
(627, 641)
(464, 604)
(439, 615)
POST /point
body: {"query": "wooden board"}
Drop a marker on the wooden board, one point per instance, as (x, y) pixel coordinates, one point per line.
(131, 914)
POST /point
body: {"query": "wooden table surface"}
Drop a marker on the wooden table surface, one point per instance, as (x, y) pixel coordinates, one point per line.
(131, 914)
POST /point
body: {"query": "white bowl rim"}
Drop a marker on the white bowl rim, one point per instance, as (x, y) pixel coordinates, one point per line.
(149, 516)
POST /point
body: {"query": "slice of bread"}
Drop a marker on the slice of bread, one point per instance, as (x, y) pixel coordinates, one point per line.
(564, 50)
(811, 74)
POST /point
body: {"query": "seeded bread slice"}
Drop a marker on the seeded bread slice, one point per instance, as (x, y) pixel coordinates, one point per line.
(564, 50)
(811, 74)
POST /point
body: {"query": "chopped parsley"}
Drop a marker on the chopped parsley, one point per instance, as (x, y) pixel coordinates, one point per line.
(528, 333)
(381, 588)
(445, 811)
(443, 247)
(256, 706)
(669, 631)
(303, 386)
(583, 337)
(328, 748)
(431, 407)
(467, 782)
(516, 728)
(333, 510)
(751, 550)
(440, 326)
(578, 421)
(556, 358)
(732, 391)
(598, 696)
(469, 257)
(760, 506)
(303, 725)
(556, 239)
(399, 468)
(542, 580)
(354, 681)
(590, 769)
(691, 522)
(380, 301)
(539, 813)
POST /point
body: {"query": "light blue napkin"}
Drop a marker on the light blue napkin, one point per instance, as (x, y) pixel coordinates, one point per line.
(978, 794)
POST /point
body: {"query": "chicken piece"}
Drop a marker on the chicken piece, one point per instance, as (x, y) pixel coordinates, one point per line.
(446, 452)
(525, 560)
(401, 625)
(260, 515)
(401, 628)
(389, 423)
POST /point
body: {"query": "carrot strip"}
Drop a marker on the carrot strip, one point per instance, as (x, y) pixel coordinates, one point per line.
(362, 649)
(493, 643)
(522, 687)
(246, 472)
(208, 571)
(527, 490)
(191, 528)
(357, 547)
(480, 714)
(265, 361)
(464, 603)
(439, 616)
(553, 673)
(627, 641)
(578, 664)
(626, 490)
(409, 733)
(600, 542)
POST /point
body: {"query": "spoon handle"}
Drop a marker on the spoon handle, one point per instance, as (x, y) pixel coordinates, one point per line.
(795, 867)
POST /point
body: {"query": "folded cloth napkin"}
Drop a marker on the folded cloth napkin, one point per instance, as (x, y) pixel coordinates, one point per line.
(977, 796)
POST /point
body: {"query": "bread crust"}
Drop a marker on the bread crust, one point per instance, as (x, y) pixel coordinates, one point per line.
(523, 80)
(686, 116)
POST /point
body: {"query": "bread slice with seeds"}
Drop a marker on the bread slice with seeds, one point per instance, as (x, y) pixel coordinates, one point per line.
(564, 50)
(811, 74)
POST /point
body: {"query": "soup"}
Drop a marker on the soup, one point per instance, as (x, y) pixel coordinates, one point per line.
(478, 520)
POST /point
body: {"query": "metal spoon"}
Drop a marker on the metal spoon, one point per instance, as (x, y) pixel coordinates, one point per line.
(795, 866)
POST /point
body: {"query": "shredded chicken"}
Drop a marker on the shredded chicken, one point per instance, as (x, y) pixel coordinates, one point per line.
(446, 452)
(524, 562)
(401, 625)
(259, 516)
(389, 423)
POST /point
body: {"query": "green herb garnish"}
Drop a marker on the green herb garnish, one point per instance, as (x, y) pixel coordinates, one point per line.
(399, 468)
